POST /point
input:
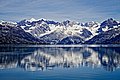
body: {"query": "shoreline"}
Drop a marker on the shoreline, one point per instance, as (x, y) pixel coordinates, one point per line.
(80, 45)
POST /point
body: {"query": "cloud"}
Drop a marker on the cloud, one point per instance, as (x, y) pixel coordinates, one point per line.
(78, 10)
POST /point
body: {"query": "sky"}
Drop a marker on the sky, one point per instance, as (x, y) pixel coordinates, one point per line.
(60, 10)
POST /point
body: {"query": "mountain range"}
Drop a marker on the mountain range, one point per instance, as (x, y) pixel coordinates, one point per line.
(43, 31)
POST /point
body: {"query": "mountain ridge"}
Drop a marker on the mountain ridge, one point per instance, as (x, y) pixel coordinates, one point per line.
(45, 31)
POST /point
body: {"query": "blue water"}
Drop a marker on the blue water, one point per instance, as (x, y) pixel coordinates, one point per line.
(59, 63)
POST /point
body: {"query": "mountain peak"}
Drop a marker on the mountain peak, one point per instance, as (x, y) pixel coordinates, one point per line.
(110, 23)
(32, 19)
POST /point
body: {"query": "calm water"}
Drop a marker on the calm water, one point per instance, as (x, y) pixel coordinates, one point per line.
(59, 63)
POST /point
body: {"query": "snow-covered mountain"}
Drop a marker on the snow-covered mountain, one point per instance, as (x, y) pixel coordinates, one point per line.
(109, 37)
(11, 33)
(108, 24)
(53, 32)
(109, 33)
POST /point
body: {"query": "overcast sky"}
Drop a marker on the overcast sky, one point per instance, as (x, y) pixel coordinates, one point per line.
(60, 10)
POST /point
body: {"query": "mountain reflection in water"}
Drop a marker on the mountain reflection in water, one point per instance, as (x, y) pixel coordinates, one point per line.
(44, 58)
